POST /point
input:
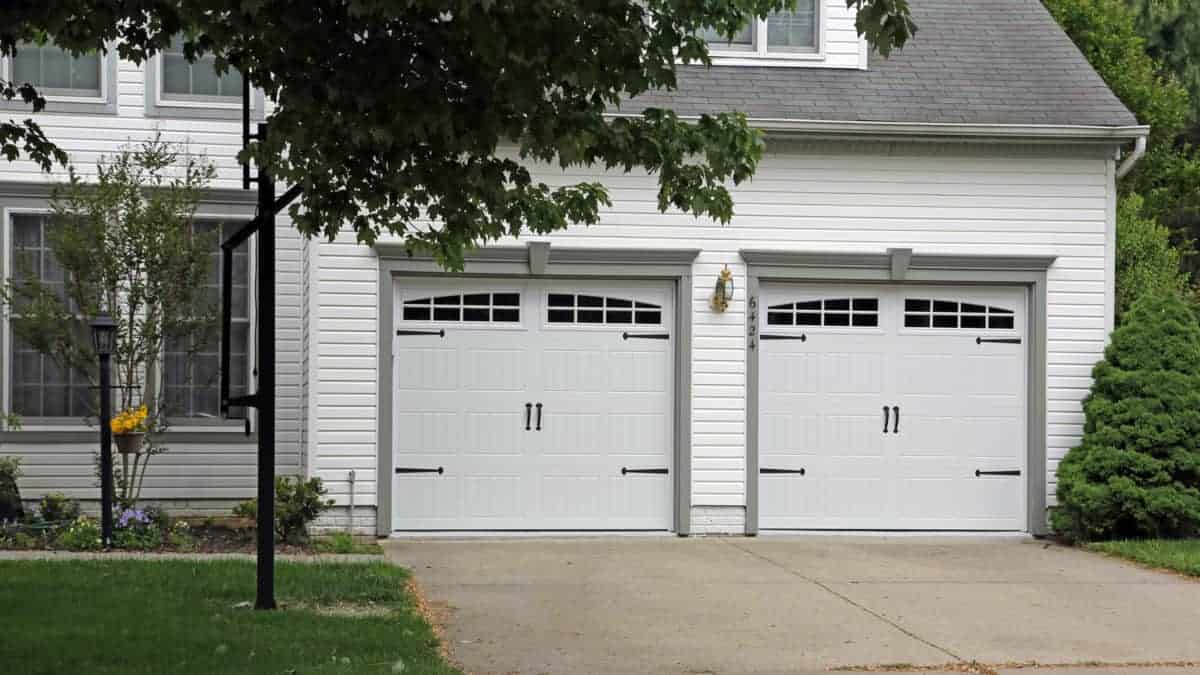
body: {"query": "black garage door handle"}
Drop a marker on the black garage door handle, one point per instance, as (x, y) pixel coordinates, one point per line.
(412, 469)
(1006, 472)
(777, 472)
(625, 471)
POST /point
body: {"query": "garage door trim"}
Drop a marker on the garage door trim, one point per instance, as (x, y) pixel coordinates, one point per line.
(538, 260)
(921, 269)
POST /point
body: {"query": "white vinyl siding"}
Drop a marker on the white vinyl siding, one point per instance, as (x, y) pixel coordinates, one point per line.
(858, 197)
(209, 474)
(851, 197)
(192, 477)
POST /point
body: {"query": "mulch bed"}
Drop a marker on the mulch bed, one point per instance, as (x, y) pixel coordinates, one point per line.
(230, 535)
(215, 535)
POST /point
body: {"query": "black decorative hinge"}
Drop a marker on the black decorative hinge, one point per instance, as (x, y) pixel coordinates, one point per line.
(1006, 472)
(625, 471)
(801, 337)
(782, 471)
(412, 469)
(1003, 341)
(646, 336)
(439, 333)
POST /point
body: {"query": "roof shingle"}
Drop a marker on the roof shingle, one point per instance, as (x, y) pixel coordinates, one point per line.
(971, 61)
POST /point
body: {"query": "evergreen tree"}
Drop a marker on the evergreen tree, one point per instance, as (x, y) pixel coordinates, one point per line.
(1136, 472)
(1147, 262)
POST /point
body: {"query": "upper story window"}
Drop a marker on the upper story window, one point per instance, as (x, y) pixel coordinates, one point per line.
(55, 72)
(198, 81)
(781, 34)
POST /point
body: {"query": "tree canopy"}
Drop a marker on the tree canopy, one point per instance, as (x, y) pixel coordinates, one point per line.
(1171, 29)
(390, 113)
(1168, 177)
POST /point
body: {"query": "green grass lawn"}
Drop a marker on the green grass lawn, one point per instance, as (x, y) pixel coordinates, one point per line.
(177, 617)
(1180, 555)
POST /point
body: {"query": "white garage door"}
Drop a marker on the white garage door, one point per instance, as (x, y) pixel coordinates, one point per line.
(533, 405)
(892, 408)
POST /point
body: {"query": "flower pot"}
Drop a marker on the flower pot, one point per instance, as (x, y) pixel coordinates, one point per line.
(129, 443)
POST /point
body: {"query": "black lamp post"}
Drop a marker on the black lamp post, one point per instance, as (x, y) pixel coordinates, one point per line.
(104, 331)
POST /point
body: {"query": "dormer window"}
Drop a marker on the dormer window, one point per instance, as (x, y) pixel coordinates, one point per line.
(795, 33)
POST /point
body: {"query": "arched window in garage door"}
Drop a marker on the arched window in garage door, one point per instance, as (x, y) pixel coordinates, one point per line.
(936, 313)
(835, 312)
(596, 309)
(465, 307)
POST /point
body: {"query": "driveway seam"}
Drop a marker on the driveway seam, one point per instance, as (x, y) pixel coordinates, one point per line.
(848, 600)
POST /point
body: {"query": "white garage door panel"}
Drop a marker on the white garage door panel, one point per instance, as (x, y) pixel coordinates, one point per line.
(822, 407)
(461, 406)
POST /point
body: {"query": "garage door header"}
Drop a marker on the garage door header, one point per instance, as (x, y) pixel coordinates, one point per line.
(537, 258)
(896, 264)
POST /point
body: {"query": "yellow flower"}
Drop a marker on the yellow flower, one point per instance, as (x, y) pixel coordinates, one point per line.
(130, 420)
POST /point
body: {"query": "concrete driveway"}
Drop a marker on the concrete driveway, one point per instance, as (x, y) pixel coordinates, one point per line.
(800, 604)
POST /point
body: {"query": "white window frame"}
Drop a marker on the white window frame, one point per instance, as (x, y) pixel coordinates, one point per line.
(60, 95)
(758, 54)
(164, 100)
(74, 424)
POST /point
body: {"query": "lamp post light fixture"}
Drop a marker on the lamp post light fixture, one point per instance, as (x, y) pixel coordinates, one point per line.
(723, 292)
(104, 333)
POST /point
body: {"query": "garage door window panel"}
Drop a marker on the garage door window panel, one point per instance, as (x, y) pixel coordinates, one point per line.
(478, 307)
(953, 314)
(827, 312)
(572, 308)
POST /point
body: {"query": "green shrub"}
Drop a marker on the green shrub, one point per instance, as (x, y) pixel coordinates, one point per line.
(138, 538)
(11, 508)
(1147, 262)
(58, 509)
(179, 536)
(1136, 472)
(297, 503)
(81, 535)
(19, 541)
(137, 529)
(341, 542)
(247, 509)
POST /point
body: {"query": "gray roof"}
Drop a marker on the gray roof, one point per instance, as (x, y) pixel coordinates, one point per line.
(971, 62)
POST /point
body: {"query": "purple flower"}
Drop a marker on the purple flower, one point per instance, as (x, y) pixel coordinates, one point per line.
(132, 517)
